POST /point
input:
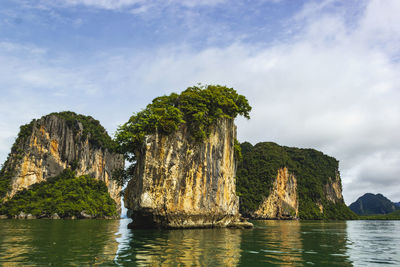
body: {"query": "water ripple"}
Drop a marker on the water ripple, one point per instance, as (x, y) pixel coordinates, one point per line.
(110, 243)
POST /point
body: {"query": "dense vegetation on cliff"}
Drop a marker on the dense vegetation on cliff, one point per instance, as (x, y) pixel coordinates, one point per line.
(369, 204)
(65, 195)
(5, 181)
(198, 107)
(258, 169)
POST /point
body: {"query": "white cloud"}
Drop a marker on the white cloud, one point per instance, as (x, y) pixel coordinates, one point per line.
(195, 3)
(10, 47)
(136, 6)
(105, 4)
(379, 26)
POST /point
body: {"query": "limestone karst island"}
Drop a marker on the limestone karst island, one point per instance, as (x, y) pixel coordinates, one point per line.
(186, 168)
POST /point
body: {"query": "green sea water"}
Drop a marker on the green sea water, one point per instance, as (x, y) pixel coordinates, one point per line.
(270, 243)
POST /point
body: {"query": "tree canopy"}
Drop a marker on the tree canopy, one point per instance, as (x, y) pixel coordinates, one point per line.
(198, 107)
(66, 195)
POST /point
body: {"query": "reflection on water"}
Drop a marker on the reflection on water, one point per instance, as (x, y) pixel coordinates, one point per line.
(273, 242)
(58, 242)
(325, 243)
(287, 243)
(199, 247)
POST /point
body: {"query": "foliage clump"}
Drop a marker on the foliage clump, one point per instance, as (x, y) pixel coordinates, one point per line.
(198, 107)
(5, 182)
(66, 195)
(258, 170)
(98, 136)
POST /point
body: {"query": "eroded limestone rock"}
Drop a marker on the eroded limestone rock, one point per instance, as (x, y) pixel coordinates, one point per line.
(180, 183)
(55, 216)
(333, 189)
(54, 145)
(282, 203)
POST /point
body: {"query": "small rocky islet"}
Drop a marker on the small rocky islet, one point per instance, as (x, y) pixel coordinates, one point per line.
(61, 165)
(375, 207)
(186, 168)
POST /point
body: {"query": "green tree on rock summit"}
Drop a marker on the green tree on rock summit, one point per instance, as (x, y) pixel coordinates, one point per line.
(198, 107)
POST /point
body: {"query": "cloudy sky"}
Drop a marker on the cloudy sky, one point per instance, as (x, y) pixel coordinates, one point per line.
(319, 74)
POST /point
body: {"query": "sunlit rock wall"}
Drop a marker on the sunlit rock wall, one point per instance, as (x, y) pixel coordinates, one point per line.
(282, 203)
(180, 183)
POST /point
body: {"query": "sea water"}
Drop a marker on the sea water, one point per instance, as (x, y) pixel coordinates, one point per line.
(269, 243)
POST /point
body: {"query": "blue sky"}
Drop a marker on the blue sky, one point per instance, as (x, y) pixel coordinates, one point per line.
(73, 26)
(320, 74)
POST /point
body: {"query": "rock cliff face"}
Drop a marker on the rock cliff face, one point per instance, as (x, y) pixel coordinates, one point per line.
(180, 183)
(52, 144)
(333, 189)
(282, 203)
(308, 187)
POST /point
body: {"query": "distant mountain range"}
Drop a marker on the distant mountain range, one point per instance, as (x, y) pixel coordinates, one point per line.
(370, 204)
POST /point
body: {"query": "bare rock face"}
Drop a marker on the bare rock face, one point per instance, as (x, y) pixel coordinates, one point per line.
(333, 189)
(282, 203)
(52, 145)
(179, 183)
(333, 192)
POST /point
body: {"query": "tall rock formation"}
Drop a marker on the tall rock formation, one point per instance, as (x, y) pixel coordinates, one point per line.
(283, 202)
(181, 183)
(277, 182)
(47, 146)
